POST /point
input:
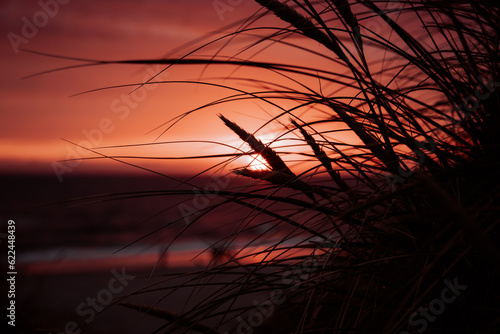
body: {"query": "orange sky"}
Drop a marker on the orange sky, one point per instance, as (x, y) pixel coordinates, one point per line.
(37, 112)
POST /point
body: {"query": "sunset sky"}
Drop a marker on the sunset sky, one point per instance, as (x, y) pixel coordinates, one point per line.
(38, 111)
(40, 114)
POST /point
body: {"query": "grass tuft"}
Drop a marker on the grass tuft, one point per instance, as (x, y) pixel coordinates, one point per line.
(394, 116)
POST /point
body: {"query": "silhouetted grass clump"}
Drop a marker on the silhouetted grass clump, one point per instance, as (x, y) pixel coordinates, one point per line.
(394, 112)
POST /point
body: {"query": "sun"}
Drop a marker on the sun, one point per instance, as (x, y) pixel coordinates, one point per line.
(256, 162)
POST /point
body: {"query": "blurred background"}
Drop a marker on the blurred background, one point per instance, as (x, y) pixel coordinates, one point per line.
(66, 251)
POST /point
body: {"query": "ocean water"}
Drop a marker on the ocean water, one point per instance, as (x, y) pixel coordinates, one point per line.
(73, 237)
(86, 221)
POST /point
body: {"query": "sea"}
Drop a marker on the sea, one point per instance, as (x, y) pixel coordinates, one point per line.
(83, 245)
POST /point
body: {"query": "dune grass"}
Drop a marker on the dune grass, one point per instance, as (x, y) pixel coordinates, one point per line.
(362, 234)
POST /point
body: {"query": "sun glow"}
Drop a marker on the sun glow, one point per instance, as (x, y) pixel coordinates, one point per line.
(256, 162)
